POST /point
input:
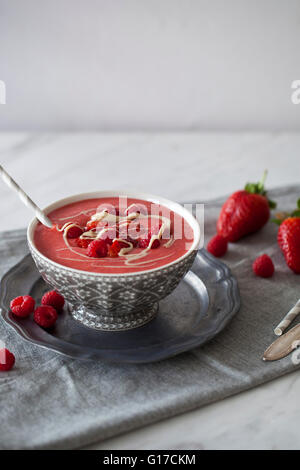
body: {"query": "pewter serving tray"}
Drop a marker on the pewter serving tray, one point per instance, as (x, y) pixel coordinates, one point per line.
(197, 310)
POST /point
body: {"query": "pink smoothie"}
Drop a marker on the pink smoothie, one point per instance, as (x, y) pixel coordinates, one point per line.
(174, 242)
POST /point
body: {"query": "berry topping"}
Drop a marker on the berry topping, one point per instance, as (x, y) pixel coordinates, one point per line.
(74, 232)
(54, 299)
(91, 225)
(109, 235)
(83, 242)
(134, 241)
(155, 244)
(7, 360)
(103, 234)
(113, 251)
(97, 249)
(144, 242)
(22, 306)
(263, 266)
(217, 246)
(116, 247)
(45, 316)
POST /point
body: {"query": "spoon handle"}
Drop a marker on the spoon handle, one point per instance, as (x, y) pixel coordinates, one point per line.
(24, 197)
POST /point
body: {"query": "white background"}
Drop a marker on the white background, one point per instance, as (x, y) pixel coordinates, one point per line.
(149, 64)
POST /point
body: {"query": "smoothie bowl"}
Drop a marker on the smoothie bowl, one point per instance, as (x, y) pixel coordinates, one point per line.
(114, 255)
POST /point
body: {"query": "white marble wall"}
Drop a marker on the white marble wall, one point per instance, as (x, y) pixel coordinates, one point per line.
(149, 64)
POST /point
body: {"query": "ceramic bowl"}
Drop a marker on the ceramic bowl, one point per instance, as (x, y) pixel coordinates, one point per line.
(115, 302)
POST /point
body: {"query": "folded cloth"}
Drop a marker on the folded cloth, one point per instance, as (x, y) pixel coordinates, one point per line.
(51, 402)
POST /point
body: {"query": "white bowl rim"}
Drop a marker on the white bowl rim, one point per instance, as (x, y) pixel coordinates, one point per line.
(174, 206)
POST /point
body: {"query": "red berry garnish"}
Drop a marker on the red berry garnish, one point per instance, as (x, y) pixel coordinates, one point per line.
(113, 251)
(116, 247)
(83, 242)
(108, 241)
(155, 244)
(109, 235)
(97, 249)
(45, 316)
(134, 241)
(74, 232)
(91, 225)
(217, 246)
(54, 299)
(144, 242)
(263, 266)
(7, 360)
(22, 306)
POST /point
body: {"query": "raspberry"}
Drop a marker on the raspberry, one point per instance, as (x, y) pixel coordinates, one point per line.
(54, 299)
(144, 242)
(22, 306)
(97, 249)
(155, 244)
(109, 235)
(113, 251)
(91, 225)
(217, 246)
(263, 266)
(83, 242)
(116, 247)
(74, 232)
(45, 316)
(7, 360)
(134, 241)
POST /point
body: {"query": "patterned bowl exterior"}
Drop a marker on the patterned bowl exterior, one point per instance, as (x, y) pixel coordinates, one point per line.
(113, 302)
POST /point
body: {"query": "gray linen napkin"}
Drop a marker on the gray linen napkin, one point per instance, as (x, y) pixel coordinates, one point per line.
(51, 402)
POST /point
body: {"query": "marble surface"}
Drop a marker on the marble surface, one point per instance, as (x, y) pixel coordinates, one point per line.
(184, 167)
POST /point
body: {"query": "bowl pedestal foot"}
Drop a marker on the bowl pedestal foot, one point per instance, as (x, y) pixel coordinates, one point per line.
(106, 321)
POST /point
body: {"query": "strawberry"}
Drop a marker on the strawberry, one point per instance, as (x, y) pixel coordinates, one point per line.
(245, 212)
(289, 239)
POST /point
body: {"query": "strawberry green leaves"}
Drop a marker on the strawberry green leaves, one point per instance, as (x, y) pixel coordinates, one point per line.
(259, 188)
(281, 216)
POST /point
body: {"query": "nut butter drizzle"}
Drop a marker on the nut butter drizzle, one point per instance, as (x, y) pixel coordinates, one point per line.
(112, 219)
